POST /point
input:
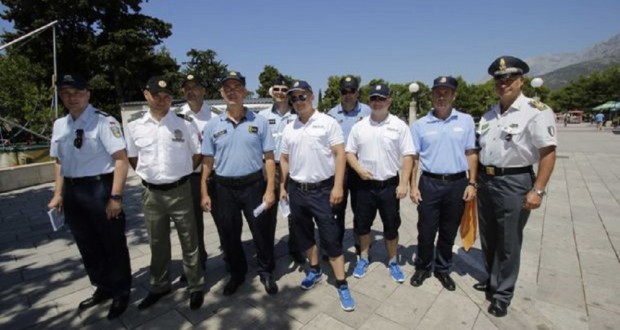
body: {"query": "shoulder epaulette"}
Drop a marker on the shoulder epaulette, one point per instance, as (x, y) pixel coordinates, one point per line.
(136, 115)
(105, 114)
(216, 110)
(188, 118)
(538, 105)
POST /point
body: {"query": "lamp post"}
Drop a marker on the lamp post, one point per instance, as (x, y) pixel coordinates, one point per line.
(536, 83)
(413, 88)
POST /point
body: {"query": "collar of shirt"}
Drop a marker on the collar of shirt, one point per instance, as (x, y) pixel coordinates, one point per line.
(148, 117)
(430, 116)
(84, 118)
(186, 110)
(248, 115)
(385, 121)
(356, 109)
(515, 106)
(274, 110)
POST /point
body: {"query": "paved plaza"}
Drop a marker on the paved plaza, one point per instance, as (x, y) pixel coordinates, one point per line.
(569, 275)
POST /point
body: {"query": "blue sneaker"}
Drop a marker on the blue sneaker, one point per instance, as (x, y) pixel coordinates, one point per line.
(346, 301)
(360, 268)
(396, 273)
(311, 279)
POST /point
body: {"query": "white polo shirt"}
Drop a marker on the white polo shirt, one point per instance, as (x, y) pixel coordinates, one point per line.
(164, 149)
(308, 147)
(200, 119)
(512, 139)
(379, 146)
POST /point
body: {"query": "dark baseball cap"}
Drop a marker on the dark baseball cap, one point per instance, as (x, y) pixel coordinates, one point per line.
(300, 85)
(349, 83)
(445, 81)
(72, 80)
(158, 84)
(234, 75)
(195, 78)
(382, 90)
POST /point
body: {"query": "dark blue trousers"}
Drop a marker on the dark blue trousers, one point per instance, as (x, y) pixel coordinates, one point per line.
(439, 214)
(101, 242)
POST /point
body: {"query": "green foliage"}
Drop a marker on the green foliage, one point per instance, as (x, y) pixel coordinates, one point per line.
(266, 79)
(475, 99)
(587, 92)
(204, 64)
(26, 101)
(110, 42)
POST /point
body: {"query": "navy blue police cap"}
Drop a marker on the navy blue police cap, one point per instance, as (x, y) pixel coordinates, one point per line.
(300, 85)
(234, 75)
(382, 90)
(445, 81)
(508, 65)
(158, 84)
(72, 80)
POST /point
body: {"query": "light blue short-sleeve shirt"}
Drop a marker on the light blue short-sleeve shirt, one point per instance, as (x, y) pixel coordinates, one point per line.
(346, 120)
(441, 144)
(238, 149)
(101, 138)
(277, 122)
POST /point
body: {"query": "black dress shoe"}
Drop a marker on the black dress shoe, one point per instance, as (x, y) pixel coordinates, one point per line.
(118, 307)
(446, 281)
(97, 298)
(232, 286)
(151, 299)
(418, 277)
(498, 308)
(270, 284)
(196, 299)
(482, 286)
(183, 278)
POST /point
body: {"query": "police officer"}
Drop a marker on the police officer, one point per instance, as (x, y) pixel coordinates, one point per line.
(348, 112)
(446, 148)
(279, 115)
(194, 89)
(234, 145)
(91, 168)
(374, 150)
(164, 149)
(514, 135)
(313, 154)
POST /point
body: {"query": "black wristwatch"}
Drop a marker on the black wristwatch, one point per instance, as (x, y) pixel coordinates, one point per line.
(116, 197)
(473, 184)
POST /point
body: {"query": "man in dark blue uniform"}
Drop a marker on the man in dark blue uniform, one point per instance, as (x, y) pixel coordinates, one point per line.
(91, 168)
(234, 145)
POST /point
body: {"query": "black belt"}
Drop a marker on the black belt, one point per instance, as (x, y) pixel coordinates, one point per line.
(496, 171)
(196, 174)
(88, 179)
(377, 184)
(236, 181)
(165, 186)
(308, 186)
(445, 177)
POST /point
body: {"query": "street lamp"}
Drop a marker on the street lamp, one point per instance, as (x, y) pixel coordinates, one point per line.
(413, 88)
(536, 83)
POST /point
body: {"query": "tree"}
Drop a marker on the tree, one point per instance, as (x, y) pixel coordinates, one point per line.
(205, 64)
(266, 79)
(110, 42)
(26, 102)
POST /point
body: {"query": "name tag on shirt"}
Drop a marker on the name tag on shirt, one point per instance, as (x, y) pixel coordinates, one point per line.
(253, 129)
(219, 133)
(272, 121)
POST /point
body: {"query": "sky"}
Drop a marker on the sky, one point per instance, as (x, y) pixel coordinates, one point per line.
(400, 40)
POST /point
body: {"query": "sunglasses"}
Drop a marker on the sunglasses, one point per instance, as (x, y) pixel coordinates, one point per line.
(79, 133)
(279, 89)
(302, 97)
(347, 91)
(377, 98)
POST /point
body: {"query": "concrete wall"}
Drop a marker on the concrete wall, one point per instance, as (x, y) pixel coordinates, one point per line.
(26, 175)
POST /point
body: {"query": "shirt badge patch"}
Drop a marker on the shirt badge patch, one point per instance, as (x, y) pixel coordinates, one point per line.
(551, 130)
(484, 127)
(219, 133)
(116, 131)
(272, 121)
(253, 129)
(178, 136)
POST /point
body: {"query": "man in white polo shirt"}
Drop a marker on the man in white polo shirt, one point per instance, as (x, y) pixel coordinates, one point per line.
(313, 154)
(374, 151)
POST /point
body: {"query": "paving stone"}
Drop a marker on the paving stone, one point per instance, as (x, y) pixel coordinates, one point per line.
(562, 317)
(406, 306)
(169, 320)
(562, 289)
(483, 323)
(462, 313)
(602, 291)
(603, 319)
(377, 322)
(324, 321)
